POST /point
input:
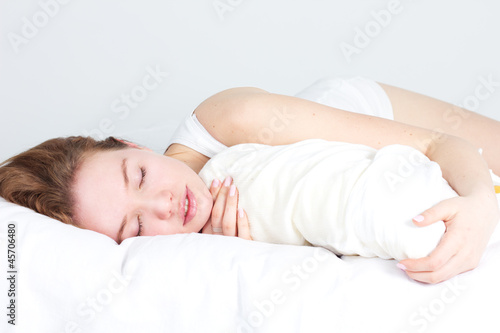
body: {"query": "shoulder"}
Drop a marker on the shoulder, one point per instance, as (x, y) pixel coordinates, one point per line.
(229, 114)
(223, 116)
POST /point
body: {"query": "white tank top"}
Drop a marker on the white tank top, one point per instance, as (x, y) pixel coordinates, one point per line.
(192, 134)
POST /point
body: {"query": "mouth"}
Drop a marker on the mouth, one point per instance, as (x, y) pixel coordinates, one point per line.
(189, 206)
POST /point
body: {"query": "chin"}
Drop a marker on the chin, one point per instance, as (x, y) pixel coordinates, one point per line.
(205, 209)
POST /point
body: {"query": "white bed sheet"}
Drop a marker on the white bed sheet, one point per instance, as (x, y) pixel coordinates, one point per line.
(186, 283)
(73, 280)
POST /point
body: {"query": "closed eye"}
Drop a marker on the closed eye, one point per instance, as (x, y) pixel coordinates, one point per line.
(143, 176)
(140, 225)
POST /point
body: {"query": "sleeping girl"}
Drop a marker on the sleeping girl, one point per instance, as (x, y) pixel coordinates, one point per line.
(366, 169)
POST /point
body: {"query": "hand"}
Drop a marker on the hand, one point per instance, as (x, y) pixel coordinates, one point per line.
(469, 221)
(226, 219)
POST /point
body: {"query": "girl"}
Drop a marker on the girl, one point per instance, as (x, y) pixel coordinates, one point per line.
(122, 191)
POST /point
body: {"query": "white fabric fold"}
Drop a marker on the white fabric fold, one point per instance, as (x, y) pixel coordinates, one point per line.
(348, 198)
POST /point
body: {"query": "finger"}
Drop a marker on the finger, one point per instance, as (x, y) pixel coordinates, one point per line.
(448, 247)
(447, 271)
(215, 188)
(207, 228)
(456, 265)
(243, 225)
(443, 211)
(229, 219)
(219, 207)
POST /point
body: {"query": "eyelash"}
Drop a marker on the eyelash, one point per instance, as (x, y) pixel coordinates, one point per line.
(140, 225)
(143, 175)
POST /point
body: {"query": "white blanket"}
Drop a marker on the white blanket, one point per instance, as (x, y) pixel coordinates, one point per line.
(77, 281)
(348, 198)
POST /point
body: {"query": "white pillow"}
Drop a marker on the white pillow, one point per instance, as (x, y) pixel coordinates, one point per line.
(74, 280)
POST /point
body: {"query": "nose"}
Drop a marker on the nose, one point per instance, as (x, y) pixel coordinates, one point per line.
(161, 205)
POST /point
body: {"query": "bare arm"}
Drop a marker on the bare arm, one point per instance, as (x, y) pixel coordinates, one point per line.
(244, 115)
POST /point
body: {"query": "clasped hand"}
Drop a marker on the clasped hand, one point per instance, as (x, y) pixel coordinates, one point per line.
(226, 218)
(469, 222)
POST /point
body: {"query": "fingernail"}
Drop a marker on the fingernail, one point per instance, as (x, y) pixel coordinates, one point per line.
(215, 183)
(228, 181)
(240, 212)
(401, 266)
(418, 218)
(232, 190)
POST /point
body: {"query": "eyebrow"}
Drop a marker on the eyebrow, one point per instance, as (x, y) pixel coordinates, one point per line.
(126, 181)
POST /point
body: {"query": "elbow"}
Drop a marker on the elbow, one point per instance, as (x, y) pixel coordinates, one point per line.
(439, 141)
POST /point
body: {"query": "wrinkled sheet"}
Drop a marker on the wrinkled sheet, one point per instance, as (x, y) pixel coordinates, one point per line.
(348, 198)
(73, 280)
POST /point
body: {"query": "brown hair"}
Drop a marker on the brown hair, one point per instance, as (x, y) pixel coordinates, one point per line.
(41, 177)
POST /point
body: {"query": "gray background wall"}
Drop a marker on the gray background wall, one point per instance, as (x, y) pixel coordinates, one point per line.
(134, 69)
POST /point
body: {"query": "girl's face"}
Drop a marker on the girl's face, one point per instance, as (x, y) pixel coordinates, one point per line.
(130, 192)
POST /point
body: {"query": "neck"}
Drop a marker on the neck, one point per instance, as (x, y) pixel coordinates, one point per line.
(190, 157)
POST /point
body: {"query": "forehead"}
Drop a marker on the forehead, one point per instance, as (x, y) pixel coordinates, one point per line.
(100, 166)
(99, 192)
(101, 158)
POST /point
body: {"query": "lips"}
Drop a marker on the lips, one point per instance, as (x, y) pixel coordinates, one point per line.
(190, 200)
